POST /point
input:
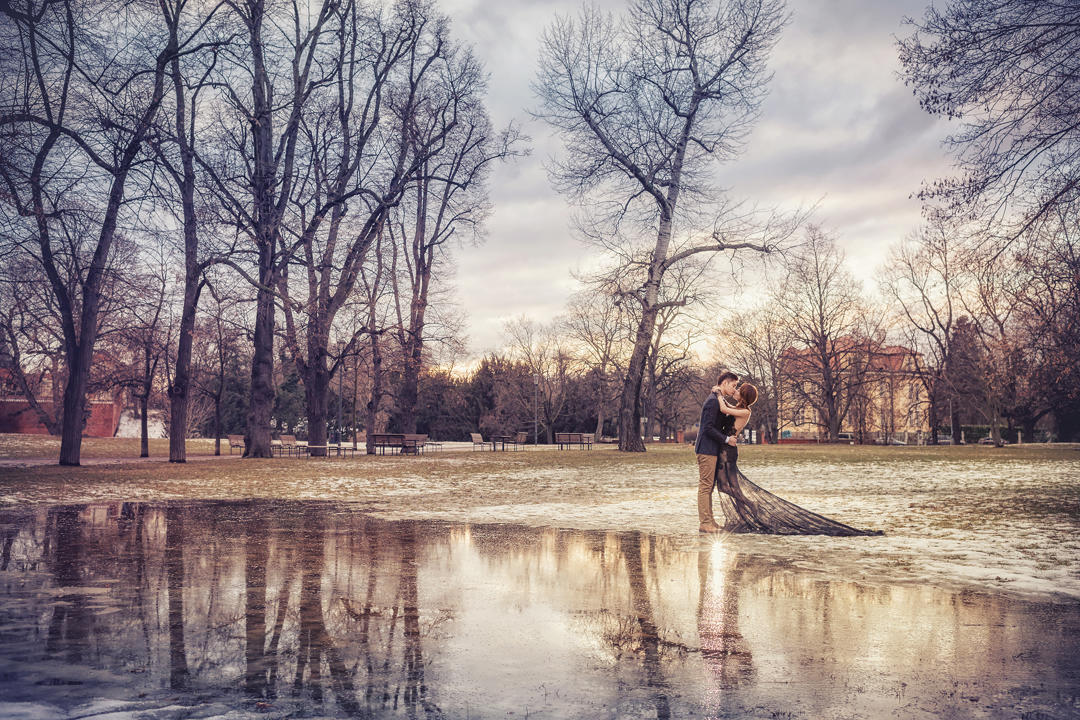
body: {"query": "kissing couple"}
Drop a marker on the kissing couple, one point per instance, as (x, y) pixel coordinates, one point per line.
(743, 506)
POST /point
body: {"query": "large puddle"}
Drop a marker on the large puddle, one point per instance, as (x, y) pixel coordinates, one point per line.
(307, 609)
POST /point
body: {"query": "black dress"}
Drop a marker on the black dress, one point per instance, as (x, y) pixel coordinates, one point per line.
(749, 508)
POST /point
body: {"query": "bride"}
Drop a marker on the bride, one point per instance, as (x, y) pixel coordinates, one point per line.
(749, 508)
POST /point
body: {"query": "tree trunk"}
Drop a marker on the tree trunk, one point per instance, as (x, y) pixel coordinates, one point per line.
(630, 400)
(932, 417)
(178, 410)
(954, 421)
(316, 391)
(180, 387)
(144, 429)
(255, 608)
(356, 372)
(405, 414)
(144, 402)
(376, 391)
(174, 563)
(257, 440)
(217, 424)
(71, 426)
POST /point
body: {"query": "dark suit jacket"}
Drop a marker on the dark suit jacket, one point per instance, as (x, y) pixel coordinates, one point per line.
(709, 439)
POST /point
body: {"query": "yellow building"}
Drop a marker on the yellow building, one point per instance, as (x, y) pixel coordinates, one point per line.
(881, 398)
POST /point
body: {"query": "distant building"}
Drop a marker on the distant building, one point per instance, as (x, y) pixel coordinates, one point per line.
(17, 416)
(884, 396)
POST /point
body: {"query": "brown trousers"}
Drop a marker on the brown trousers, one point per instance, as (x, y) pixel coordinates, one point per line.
(706, 479)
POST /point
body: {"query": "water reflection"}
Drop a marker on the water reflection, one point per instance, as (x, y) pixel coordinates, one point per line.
(312, 605)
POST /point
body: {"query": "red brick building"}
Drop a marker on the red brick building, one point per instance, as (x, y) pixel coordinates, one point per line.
(16, 415)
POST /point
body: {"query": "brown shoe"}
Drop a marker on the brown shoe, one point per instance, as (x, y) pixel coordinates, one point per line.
(711, 528)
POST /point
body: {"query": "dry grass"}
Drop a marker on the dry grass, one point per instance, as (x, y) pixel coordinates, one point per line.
(36, 446)
(464, 478)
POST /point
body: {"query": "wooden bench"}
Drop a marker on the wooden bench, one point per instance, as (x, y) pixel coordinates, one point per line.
(566, 440)
(519, 440)
(287, 445)
(479, 441)
(413, 444)
(387, 441)
(236, 441)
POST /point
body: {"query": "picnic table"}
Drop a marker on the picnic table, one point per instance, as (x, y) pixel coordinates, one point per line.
(405, 443)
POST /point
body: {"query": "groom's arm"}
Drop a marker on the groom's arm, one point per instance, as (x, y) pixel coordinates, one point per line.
(708, 422)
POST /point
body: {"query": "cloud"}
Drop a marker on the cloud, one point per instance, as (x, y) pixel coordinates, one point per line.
(838, 126)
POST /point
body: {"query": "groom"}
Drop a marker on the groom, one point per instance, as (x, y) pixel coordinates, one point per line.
(708, 445)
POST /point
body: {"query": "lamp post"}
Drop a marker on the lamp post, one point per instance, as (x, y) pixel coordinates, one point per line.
(536, 396)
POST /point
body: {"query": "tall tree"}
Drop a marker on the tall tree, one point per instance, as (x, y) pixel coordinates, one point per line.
(83, 89)
(923, 281)
(1009, 70)
(821, 305)
(448, 197)
(268, 82)
(646, 105)
(387, 133)
(176, 148)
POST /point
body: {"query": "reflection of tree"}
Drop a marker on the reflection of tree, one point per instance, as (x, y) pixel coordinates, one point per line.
(69, 626)
(315, 642)
(724, 651)
(174, 568)
(415, 689)
(630, 544)
(255, 606)
(11, 531)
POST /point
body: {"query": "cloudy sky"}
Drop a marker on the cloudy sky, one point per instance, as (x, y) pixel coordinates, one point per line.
(838, 128)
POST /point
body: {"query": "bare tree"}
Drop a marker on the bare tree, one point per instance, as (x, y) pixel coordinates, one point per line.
(31, 338)
(1010, 71)
(407, 126)
(373, 278)
(1048, 307)
(448, 197)
(176, 148)
(144, 334)
(991, 304)
(539, 349)
(218, 339)
(600, 328)
(80, 95)
(753, 343)
(923, 281)
(821, 305)
(646, 105)
(267, 83)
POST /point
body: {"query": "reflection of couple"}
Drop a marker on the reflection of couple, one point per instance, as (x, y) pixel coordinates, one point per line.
(745, 507)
